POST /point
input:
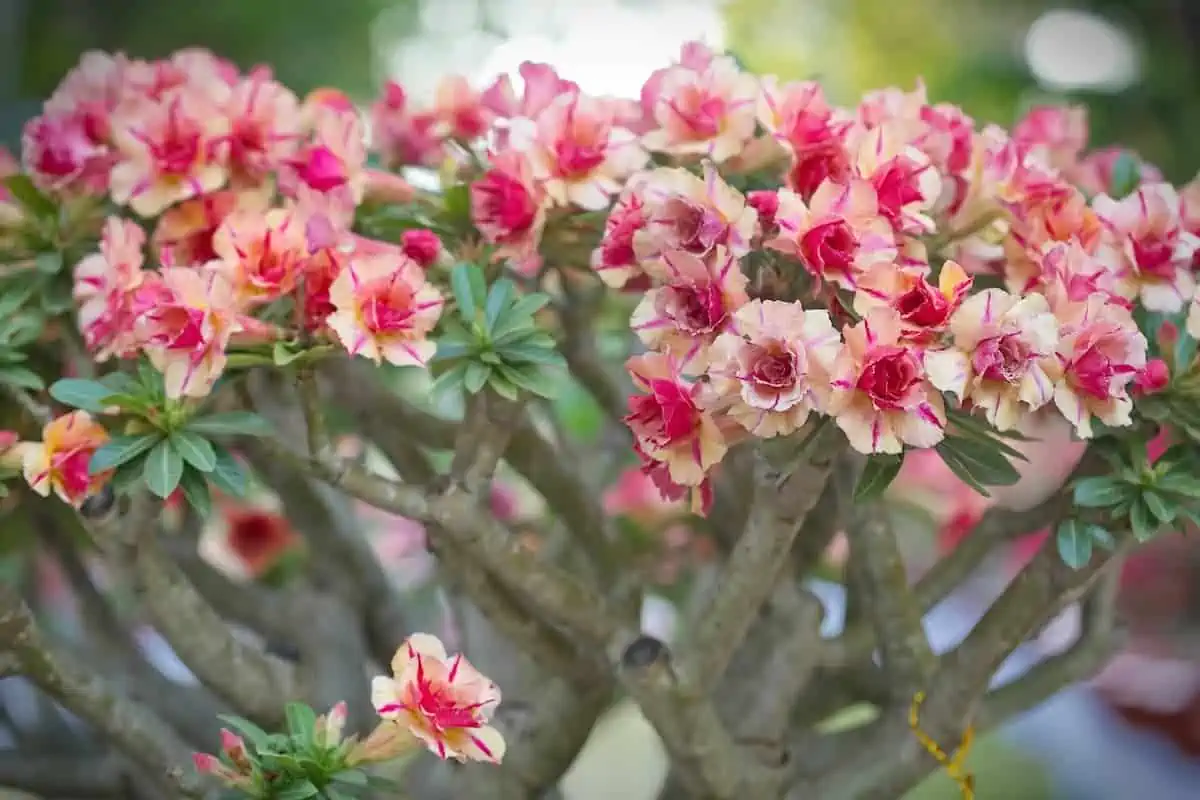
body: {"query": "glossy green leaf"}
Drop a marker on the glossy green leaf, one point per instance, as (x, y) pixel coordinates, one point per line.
(1158, 505)
(21, 378)
(251, 732)
(300, 721)
(447, 350)
(450, 380)
(230, 423)
(542, 381)
(502, 386)
(877, 475)
(49, 263)
(121, 450)
(1126, 175)
(1074, 544)
(29, 196)
(297, 791)
(1142, 522)
(228, 474)
(80, 393)
(195, 450)
(985, 461)
(498, 301)
(517, 353)
(163, 469)
(1100, 492)
(470, 290)
(196, 492)
(475, 377)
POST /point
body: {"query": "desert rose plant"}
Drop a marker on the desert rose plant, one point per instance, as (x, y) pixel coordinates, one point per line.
(253, 370)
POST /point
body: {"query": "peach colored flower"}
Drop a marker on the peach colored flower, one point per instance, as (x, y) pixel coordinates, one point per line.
(59, 462)
(692, 306)
(457, 110)
(385, 309)
(906, 184)
(186, 321)
(262, 255)
(541, 85)
(692, 214)
(1055, 135)
(1003, 358)
(445, 702)
(794, 113)
(773, 369)
(882, 398)
(320, 271)
(1101, 351)
(183, 235)
(508, 205)
(168, 152)
(615, 260)
(238, 773)
(577, 153)
(838, 234)
(104, 283)
(1154, 248)
(668, 424)
(704, 110)
(924, 309)
(264, 129)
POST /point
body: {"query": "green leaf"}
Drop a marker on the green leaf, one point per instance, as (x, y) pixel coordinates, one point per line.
(300, 721)
(450, 380)
(1074, 544)
(282, 355)
(1141, 521)
(56, 297)
(79, 393)
(498, 298)
(475, 377)
(532, 354)
(14, 297)
(502, 386)
(22, 329)
(196, 492)
(297, 791)
(352, 777)
(246, 359)
(256, 735)
(129, 402)
(1126, 175)
(195, 450)
(163, 469)
(49, 263)
(1180, 483)
(978, 464)
(121, 383)
(877, 475)
(128, 475)
(230, 423)
(228, 475)
(22, 378)
(1100, 492)
(962, 471)
(1163, 511)
(457, 202)
(121, 450)
(519, 315)
(447, 350)
(529, 335)
(29, 196)
(1185, 351)
(470, 291)
(1101, 536)
(542, 381)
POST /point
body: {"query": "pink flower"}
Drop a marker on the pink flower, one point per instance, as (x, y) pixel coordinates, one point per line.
(541, 85)
(704, 109)
(401, 137)
(837, 235)
(693, 306)
(773, 369)
(507, 204)
(882, 398)
(577, 153)
(184, 233)
(1069, 274)
(168, 151)
(1094, 172)
(320, 271)
(635, 495)
(691, 214)
(104, 284)
(385, 309)
(327, 178)
(1003, 358)
(244, 541)
(238, 773)
(264, 129)
(457, 110)
(1102, 351)
(924, 309)
(796, 114)
(906, 184)
(59, 462)
(64, 153)
(1153, 245)
(1055, 135)
(262, 255)
(668, 424)
(1153, 378)
(187, 319)
(766, 204)
(445, 702)
(422, 246)
(615, 260)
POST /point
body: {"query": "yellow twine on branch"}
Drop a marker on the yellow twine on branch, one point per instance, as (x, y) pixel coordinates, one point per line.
(953, 764)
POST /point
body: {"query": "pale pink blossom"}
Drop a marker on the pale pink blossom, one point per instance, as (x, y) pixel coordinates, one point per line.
(669, 425)
(385, 309)
(882, 398)
(1055, 135)
(837, 235)
(636, 496)
(1003, 358)
(265, 127)
(692, 214)
(907, 186)
(773, 369)
(262, 255)
(1153, 245)
(457, 111)
(796, 114)
(64, 153)
(401, 135)
(508, 205)
(615, 259)
(104, 283)
(541, 85)
(1070, 274)
(443, 701)
(692, 305)
(1101, 351)
(327, 177)
(60, 461)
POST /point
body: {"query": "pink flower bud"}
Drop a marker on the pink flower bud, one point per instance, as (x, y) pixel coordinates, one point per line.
(1153, 378)
(206, 764)
(422, 246)
(766, 203)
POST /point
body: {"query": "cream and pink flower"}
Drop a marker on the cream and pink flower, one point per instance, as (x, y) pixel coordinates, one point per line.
(907, 186)
(1055, 135)
(882, 397)
(703, 110)
(1155, 249)
(838, 234)
(1101, 351)
(442, 700)
(1068, 273)
(65, 153)
(508, 204)
(265, 127)
(669, 425)
(400, 135)
(183, 235)
(577, 152)
(615, 259)
(924, 308)
(327, 177)
(693, 304)
(187, 318)
(692, 214)
(774, 368)
(262, 255)
(104, 285)
(385, 309)
(60, 462)
(245, 540)
(541, 85)
(1003, 358)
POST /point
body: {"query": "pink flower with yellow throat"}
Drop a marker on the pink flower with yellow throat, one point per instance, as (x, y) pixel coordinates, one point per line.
(187, 318)
(692, 214)
(838, 234)
(704, 108)
(327, 177)
(882, 397)
(104, 285)
(262, 255)
(576, 152)
(1101, 351)
(183, 235)
(907, 186)
(443, 701)
(670, 427)
(773, 369)
(691, 307)
(1003, 358)
(924, 308)
(1152, 245)
(59, 462)
(265, 127)
(168, 151)
(385, 309)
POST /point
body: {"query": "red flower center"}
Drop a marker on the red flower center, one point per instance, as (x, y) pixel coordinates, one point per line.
(697, 310)
(828, 247)
(1154, 256)
(323, 170)
(389, 308)
(1001, 358)
(896, 186)
(775, 368)
(889, 376)
(923, 306)
(664, 417)
(506, 201)
(71, 469)
(258, 538)
(697, 230)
